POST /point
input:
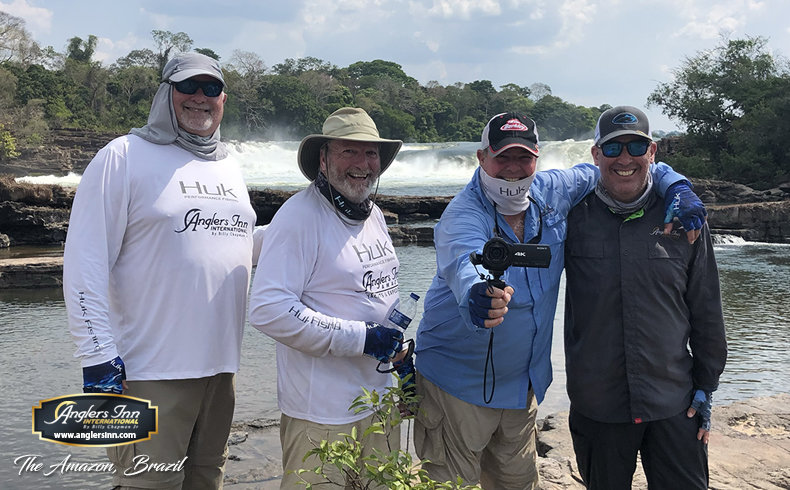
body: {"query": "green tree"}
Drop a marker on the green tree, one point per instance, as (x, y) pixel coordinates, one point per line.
(167, 42)
(560, 120)
(16, 43)
(511, 97)
(80, 50)
(208, 52)
(729, 99)
(246, 110)
(295, 67)
(138, 57)
(295, 112)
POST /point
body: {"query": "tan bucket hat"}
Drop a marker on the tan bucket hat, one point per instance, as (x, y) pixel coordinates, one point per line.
(348, 123)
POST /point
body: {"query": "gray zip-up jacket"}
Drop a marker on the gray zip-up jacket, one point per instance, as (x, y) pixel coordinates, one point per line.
(643, 316)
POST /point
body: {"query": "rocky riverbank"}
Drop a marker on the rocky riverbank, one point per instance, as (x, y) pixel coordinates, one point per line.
(749, 448)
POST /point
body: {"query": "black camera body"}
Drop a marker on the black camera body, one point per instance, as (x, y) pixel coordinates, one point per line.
(498, 255)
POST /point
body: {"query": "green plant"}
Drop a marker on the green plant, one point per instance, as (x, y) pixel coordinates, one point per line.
(7, 144)
(394, 470)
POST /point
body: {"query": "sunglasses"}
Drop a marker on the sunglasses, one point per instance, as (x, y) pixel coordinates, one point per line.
(635, 148)
(210, 88)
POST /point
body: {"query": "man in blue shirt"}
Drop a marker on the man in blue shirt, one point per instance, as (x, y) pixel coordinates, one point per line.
(479, 390)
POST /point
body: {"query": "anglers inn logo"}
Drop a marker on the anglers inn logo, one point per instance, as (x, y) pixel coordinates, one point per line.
(95, 419)
(195, 220)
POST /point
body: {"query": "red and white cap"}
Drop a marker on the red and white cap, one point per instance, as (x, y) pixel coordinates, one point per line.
(508, 130)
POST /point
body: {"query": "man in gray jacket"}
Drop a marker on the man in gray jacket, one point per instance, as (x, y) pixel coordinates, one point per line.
(644, 332)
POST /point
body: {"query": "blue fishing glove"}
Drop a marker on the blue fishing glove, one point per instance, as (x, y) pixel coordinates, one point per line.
(382, 342)
(405, 368)
(702, 403)
(104, 378)
(680, 202)
(479, 304)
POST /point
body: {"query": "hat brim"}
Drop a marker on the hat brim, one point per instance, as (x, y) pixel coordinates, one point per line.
(310, 151)
(622, 132)
(193, 72)
(507, 143)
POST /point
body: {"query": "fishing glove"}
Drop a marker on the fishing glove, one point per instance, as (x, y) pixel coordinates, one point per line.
(702, 403)
(479, 304)
(680, 202)
(382, 342)
(104, 378)
(404, 368)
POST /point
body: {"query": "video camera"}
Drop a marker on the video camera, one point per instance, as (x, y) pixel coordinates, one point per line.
(498, 255)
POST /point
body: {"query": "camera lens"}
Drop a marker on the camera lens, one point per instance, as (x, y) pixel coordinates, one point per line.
(496, 254)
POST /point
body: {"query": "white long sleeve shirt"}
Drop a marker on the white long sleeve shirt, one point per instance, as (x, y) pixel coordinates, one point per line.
(157, 261)
(319, 279)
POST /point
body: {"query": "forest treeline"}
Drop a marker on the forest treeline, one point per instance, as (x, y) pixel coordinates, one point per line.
(731, 100)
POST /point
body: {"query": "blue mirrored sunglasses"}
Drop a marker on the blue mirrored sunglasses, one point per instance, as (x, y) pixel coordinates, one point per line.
(635, 148)
(210, 88)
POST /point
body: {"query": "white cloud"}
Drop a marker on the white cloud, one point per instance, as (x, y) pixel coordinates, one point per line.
(574, 15)
(463, 9)
(709, 20)
(38, 20)
(108, 50)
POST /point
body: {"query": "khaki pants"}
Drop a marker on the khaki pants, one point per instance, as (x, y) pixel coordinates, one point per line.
(490, 446)
(298, 436)
(194, 422)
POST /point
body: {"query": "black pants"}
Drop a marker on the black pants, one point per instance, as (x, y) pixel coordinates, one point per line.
(672, 457)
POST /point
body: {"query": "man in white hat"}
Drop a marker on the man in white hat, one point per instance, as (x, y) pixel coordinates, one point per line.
(327, 277)
(156, 269)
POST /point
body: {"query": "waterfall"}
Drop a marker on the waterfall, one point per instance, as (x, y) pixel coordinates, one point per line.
(420, 168)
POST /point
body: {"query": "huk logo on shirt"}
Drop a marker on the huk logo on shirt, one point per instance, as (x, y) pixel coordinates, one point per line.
(371, 252)
(195, 220)
(200, 190)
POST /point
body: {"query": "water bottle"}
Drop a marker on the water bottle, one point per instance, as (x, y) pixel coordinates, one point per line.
(402, 316)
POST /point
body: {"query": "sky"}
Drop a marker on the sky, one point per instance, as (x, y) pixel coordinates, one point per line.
(590, 52)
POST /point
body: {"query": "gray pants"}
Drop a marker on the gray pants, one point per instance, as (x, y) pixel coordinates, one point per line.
(194, 423)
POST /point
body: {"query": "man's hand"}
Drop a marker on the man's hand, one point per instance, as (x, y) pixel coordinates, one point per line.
(382, 343)
(702, 404)
(488, 305)
(107, 377)
(680, 202)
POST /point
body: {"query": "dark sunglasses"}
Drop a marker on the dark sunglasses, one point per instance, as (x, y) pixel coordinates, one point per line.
(210, 88)
(636, 148)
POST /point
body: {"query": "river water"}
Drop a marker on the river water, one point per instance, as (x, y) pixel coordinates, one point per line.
(36, 351)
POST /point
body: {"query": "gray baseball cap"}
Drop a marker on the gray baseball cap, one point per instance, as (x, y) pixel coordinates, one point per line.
(620, 120)
(188, 65)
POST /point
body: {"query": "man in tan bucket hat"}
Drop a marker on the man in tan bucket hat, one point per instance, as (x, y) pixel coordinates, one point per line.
(327, 278)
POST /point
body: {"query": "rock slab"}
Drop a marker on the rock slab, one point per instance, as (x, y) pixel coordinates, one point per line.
(749, 448)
